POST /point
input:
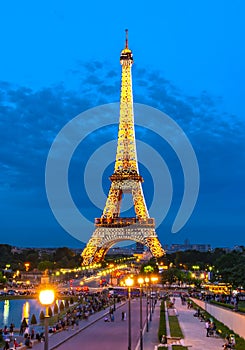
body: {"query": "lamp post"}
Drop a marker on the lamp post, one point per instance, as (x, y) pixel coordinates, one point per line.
(150, 301)
(114, 302)
(46, 298)
(129, 282)
(153, 280)
(141, 281)
(147, 303)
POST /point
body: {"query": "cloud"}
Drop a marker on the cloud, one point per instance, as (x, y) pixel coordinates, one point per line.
(30, 119)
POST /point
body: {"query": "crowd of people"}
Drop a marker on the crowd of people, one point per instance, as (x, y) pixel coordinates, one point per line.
(87, 305)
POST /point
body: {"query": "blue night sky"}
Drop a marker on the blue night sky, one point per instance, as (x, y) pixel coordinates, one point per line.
(60, 58)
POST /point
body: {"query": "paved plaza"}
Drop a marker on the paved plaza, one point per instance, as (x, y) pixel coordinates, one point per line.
(95, 333)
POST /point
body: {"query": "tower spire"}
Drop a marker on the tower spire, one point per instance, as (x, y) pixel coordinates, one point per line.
(126, 41)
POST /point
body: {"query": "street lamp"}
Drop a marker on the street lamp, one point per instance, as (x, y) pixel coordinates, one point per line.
(154, 279)
(46, 298)
(141, 281)
(129, 282)
(147, 302)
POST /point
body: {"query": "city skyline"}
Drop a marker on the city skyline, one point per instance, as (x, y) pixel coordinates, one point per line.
(56, 65)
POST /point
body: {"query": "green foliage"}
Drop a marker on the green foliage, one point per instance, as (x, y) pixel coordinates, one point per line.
(231, 266)
(175, 329)
(45, 265)
(56, 309)
(170, 275)
(228, 306)
(149, 267)
(3, 279)
(41, 316)
(33, 319)
(162, 322)
(228, 267)
(178, 347)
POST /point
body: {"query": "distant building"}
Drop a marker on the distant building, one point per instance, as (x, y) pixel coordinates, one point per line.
(173, 248)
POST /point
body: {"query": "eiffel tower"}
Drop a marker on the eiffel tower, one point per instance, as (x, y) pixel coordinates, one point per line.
(111, 227)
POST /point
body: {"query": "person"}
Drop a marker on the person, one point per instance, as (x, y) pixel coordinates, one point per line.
(122, 315)
(229, 342)
(11, 331)
(28, 342)
(207, 326)
(164, 339)
(32, 333)
(5, 330)
(16, 343)
(212, 328)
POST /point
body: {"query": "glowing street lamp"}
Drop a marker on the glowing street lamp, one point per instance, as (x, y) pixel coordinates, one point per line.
(129, 282)
(46, 298)
(154, 280)
(141, 281)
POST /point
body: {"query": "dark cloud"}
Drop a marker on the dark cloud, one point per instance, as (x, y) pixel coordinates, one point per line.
(30, 119)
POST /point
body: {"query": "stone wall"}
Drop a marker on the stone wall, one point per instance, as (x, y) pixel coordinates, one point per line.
(233, 320)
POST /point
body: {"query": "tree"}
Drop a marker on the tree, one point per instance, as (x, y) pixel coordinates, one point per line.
(50, 312)
(33, 319)
(62, 306)
(45, 265)
(41, 316)
(3, 279)
(56, 309)
(171, 275)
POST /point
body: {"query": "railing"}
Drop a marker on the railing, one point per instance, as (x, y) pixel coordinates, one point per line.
(124, 222)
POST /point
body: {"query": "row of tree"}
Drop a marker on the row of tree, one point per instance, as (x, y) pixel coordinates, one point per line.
(227, 267)
(38, 258)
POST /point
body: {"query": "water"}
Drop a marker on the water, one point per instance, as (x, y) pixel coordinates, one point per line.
(15, 310)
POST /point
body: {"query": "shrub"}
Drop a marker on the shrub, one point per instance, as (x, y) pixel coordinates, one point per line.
(33, 319)
(41, 316)
(162, 322)
(50, 312)
(56, 309)
(62, 306)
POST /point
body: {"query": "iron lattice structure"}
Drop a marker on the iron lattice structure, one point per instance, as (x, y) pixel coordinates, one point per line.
(110, 227)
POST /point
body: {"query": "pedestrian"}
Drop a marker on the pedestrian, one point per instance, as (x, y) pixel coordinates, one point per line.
(164, 339)
(28, 342)
(11, 331)
(122, 315)
(15, 343)
(32, 333)
(207, 326)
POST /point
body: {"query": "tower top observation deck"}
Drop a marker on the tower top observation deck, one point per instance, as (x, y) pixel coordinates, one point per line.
(126, 53)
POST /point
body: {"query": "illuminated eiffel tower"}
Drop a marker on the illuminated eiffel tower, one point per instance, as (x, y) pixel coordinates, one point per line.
(110, 227)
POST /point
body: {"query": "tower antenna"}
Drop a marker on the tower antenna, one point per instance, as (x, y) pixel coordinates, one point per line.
(126, 41)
